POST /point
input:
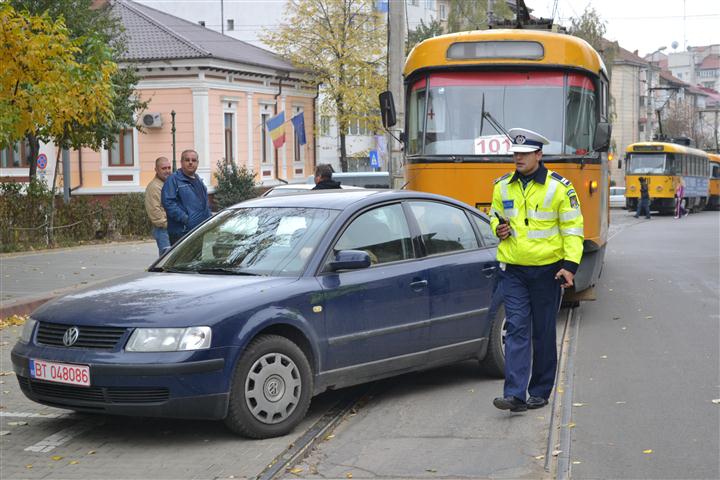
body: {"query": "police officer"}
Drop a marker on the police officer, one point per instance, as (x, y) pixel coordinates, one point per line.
(536, 214)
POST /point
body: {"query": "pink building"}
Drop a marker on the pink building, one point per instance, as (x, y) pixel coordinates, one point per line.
(222, 91)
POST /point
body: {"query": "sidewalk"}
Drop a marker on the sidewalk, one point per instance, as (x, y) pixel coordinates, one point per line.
(28, 280)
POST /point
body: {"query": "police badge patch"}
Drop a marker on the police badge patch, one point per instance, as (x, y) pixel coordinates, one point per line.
(574, 202)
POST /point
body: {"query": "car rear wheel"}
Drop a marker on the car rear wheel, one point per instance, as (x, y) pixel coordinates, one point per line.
(494, 362)
(271, 388)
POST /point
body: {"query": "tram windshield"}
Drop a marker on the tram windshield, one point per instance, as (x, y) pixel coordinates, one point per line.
(644, 163)
(561, 106)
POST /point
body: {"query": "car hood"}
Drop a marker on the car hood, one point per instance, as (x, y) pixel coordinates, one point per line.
(167, 299)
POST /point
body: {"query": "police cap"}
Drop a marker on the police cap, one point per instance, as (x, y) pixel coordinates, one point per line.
(524, 140)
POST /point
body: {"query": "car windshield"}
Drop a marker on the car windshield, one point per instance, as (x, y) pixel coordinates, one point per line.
(646, 163)
(252, 241)
(559, 105)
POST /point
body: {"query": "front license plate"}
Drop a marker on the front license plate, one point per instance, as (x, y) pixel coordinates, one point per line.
(60, 372)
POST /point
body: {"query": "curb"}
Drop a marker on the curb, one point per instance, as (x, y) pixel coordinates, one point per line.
(25, 307)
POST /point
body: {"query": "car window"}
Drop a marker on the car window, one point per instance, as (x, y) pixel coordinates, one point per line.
(443, 228)
(383, 233)
(254, 241)
(486, 233)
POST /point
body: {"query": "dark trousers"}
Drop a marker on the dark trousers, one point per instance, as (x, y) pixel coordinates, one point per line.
(643, 207)
(174, 237)
(532, 297)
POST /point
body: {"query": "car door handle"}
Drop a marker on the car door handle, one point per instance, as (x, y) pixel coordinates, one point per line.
(489, 270)
(418, 285)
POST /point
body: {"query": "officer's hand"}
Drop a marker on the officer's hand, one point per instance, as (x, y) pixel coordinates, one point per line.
(503, 231)
(568, 276)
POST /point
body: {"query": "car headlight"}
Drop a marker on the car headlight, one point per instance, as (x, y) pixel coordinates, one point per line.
(27, 330)
(169, 339)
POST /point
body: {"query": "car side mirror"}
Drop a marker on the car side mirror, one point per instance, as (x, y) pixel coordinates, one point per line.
(601, 141)
(387, 109)
(350, 260)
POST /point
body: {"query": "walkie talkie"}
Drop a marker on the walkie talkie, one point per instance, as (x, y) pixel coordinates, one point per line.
(502, 220)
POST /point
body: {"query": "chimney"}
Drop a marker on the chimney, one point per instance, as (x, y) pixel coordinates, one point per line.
(635, 52)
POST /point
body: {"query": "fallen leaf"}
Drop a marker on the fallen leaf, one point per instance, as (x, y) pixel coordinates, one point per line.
(620, 403)
(431, 470)
(610, 289)
(348, 475)
(648, 317)
(17, 424)
(624, 328)
(472, 390)
(555, 453)
(56, 457)
(539, 457)
(648, 451)
(560, 390)
(296, 470)
(604, 356)
(616, 318)
(91, 452)
(74, 462)
(5, 374)
(578, 404)
(571, 425)
(576, 462)
(28, 466)
(332, 435)
(716, 401)
(4, 432)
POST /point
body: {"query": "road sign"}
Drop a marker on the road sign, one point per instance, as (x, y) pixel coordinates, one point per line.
(374, 161)
(42, 161)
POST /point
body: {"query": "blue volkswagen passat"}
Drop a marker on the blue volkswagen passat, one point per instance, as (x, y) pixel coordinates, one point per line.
(271, 302)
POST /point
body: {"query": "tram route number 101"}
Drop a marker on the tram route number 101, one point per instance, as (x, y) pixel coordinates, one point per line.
(492, 145)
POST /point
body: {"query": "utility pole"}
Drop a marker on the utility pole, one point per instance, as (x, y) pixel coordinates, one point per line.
(222, 18)
(648, 130)
(396, 60)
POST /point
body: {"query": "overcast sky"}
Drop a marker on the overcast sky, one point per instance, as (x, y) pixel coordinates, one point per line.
(644, 25)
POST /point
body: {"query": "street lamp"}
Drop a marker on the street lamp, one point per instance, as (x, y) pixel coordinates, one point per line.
(648, 130)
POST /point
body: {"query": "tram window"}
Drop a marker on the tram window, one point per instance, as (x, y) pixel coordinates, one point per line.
(715, 171)
(646, 163)
(581, 116)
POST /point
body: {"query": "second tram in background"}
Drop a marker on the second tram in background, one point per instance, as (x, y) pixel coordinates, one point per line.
(714, 199)
(666, 165)
(463, 89)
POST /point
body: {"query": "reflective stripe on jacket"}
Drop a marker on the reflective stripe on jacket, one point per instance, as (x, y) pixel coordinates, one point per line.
(545, 220)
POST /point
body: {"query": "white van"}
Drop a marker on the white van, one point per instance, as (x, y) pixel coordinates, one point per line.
(359, 179)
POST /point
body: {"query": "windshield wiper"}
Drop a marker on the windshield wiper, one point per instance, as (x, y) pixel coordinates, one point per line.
(224, 271)
(492, 121)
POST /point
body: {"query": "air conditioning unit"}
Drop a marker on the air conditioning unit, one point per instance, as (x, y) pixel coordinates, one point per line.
(152, 120)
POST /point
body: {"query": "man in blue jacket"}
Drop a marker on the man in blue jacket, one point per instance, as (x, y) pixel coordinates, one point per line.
(185, 198)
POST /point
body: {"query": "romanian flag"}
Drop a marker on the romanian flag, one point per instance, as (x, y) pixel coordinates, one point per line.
(276, 127)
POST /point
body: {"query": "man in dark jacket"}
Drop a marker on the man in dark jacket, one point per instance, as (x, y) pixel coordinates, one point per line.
(323, 178)
(185, 198)
(644, 200)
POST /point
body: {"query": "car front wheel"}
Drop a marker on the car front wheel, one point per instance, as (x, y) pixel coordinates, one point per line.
(271, 388)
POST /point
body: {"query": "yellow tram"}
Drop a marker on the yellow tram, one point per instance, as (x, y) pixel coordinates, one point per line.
(665, 166)
(463, 89)
(714, 188)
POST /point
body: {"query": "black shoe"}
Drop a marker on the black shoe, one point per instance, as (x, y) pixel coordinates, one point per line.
(510, 403)
(536, 402)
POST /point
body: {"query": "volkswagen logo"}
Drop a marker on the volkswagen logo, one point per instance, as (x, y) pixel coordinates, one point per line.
(71, 336)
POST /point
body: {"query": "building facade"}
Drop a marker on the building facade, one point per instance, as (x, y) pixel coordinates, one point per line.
(222, 92)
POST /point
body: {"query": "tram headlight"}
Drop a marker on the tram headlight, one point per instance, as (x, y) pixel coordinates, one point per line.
(659, 188)
(632, 188)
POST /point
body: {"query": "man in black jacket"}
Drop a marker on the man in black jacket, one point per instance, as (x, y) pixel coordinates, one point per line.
(323, 178)
(644, 200)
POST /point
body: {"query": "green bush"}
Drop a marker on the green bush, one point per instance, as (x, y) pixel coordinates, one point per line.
(234, 184)
(25, 213)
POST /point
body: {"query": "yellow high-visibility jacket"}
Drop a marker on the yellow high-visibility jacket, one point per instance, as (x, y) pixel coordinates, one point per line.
(545, 220)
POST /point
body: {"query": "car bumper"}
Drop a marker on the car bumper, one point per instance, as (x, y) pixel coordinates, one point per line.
(183, 388)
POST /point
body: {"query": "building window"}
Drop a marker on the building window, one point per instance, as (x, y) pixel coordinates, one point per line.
(325, 126)
(229, 135)
(441, 11)
(121, 154)
(414, 2)
(230, 25)
(265, 139)
(201, 23)
(359, 127)
(15, 156)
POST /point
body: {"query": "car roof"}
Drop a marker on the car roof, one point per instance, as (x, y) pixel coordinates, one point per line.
(341, 199)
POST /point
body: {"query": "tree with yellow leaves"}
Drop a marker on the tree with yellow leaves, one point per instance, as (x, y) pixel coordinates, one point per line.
(49, 85)
(341, 44)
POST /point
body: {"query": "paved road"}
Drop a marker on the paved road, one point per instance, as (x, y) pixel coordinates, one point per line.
(32, 275)
(647, 366)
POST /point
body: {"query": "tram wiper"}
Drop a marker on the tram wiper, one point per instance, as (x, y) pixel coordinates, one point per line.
(492, 121)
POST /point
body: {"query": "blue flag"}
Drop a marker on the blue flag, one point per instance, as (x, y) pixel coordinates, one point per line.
(298, 122)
